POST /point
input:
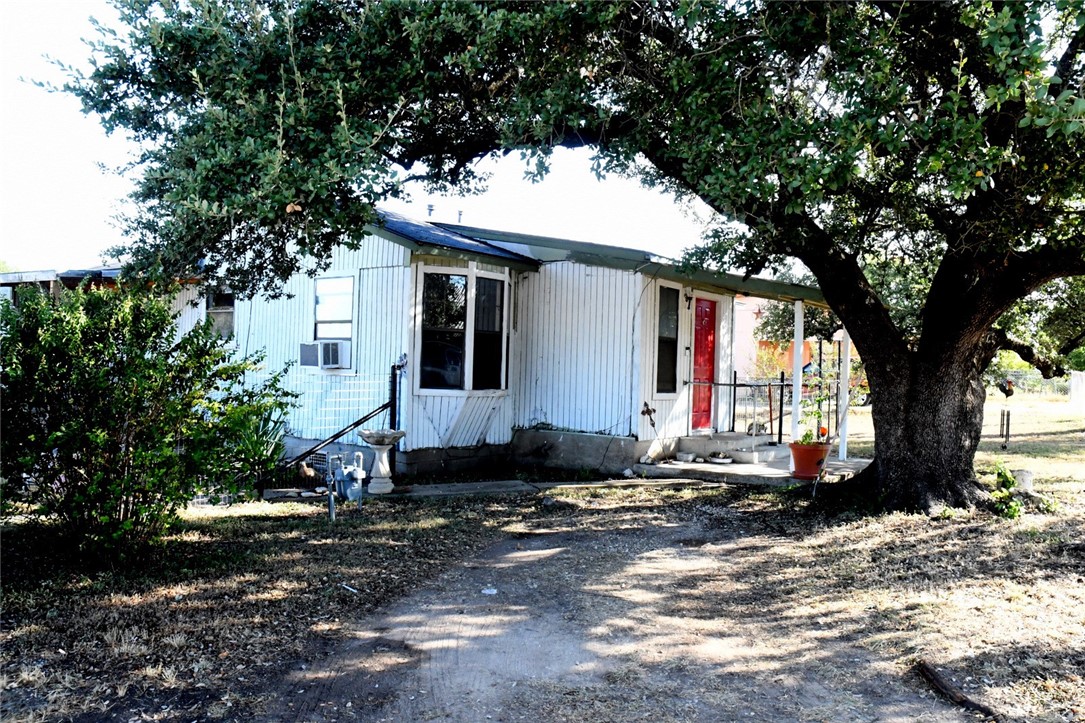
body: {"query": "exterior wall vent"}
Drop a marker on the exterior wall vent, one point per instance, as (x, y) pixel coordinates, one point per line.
(325, 354)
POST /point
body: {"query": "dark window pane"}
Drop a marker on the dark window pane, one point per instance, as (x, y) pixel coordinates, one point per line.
(444, 323)
(488, 367)
(442, 359)
(489, 309)
(444, 302)
(489, 325)
(667, 342)
(667, 372)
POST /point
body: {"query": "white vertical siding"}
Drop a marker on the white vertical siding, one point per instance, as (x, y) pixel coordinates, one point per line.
(332, 399)
(577, 367)
(190, 307)
(581, 354)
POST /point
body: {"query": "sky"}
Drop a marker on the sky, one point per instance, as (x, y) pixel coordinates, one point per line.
(59, 208)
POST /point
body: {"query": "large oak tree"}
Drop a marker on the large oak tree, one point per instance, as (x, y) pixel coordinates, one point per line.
(943, 137)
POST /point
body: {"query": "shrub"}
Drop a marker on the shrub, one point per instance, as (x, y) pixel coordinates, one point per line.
(111, 421)
(1005, 504)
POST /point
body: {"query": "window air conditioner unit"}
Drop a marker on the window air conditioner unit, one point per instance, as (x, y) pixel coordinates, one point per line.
(325, 354)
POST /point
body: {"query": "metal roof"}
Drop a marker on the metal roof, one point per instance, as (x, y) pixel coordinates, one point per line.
(546, 250)
(422, 236)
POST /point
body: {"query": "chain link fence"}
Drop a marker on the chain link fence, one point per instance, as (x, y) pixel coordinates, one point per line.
(1030, 381)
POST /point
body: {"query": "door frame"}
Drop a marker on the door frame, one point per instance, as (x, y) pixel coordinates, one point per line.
(718, 363)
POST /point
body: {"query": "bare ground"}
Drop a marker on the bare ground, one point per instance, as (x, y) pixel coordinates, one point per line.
(721, 604)
(731, 613)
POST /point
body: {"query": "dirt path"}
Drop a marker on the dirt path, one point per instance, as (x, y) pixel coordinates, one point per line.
(614, 624)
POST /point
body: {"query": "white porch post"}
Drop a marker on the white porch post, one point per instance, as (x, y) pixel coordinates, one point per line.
(844, 393)
(796, 371)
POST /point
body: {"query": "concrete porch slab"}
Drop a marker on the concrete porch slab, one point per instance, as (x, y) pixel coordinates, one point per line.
(773, 473)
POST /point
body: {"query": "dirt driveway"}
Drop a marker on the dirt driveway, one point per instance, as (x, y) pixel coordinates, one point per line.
(611, 622)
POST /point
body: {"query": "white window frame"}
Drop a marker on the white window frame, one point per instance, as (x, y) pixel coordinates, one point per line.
(681, 359)
(472, 272)
(353, 308)
(214, 313)
(352, 341)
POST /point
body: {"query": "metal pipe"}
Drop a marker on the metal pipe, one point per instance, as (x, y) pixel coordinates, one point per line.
(780, 426)
(393, 412)
(734, 398)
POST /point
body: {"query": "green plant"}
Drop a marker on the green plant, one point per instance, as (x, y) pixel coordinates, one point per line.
(1005, 503)
(814, 407)
(111, 421)
(260, 441)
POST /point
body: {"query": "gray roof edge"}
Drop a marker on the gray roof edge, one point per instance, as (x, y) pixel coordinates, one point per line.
(753, 286)
(28, 277)
(583, 248)
(582, 252)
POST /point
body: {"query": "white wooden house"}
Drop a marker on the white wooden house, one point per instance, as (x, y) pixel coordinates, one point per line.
(542, 350)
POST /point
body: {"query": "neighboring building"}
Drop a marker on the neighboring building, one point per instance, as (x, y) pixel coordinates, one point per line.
(190, 305)
(552, 351)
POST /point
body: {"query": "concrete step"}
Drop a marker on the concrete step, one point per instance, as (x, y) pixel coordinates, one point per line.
(705, 445)
(773, 473)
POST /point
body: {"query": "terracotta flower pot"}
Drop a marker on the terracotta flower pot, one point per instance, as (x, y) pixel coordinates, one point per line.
(809, 459)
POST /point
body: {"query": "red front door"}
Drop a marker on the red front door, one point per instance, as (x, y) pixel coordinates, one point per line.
(704, 363)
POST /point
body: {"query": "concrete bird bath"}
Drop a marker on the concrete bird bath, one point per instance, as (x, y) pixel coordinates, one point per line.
(381, 440)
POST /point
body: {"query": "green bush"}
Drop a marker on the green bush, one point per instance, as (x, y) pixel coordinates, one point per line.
(111, 421)
(1006, 505)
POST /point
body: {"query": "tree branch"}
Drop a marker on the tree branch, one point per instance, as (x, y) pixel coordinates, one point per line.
(1066, 62)
(1048, 367)
(1072, 343)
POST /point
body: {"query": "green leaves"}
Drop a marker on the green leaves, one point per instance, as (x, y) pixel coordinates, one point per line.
(111, 422)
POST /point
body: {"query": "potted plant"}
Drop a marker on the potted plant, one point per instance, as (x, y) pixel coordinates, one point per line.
(811, 449)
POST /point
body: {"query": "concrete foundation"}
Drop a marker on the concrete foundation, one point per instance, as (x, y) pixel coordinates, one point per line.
(575, 450)
(544, 448)
(486, 459)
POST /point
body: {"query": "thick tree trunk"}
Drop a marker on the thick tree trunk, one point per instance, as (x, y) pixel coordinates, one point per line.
(927, 424)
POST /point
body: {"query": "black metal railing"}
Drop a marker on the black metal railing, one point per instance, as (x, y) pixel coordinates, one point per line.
(391, 406)
(782, 398)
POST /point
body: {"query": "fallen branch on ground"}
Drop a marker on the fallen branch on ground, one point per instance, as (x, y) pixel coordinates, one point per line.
(949, 690)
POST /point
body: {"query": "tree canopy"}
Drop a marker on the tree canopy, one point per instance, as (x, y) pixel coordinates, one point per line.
(941, 140)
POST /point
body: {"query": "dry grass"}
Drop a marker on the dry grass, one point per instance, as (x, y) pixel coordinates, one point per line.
(238, 597)
(1046, 436)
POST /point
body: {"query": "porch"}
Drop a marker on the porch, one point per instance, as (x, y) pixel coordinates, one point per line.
(775, 473)
(737, 458)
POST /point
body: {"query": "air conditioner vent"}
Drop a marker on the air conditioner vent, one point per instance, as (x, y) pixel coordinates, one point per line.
(325, 354)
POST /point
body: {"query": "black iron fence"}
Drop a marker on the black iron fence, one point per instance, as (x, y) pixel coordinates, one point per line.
(758, 406)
